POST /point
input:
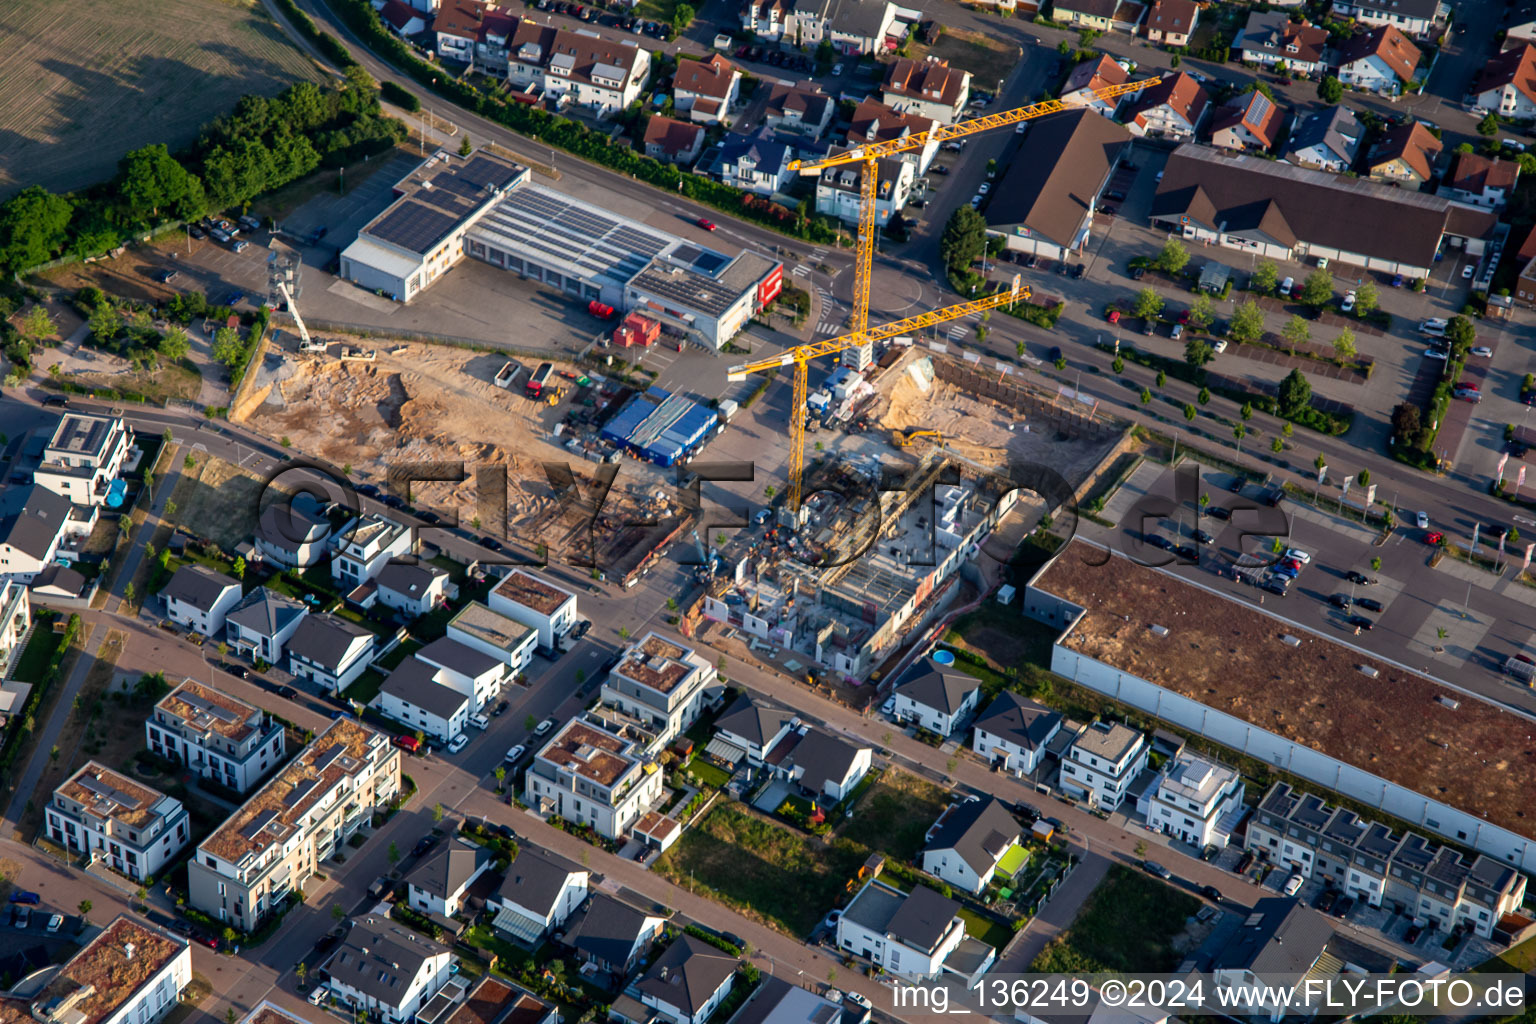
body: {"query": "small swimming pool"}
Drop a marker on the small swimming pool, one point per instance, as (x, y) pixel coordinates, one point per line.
(944, 657)
(115, 494)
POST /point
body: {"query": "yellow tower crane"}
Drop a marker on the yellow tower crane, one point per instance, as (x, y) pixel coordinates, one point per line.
(859, 331)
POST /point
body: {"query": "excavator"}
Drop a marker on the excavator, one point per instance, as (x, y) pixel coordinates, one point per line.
(904, 438)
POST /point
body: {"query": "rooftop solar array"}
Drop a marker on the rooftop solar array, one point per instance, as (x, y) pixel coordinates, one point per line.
(559, 232)
(444, 194)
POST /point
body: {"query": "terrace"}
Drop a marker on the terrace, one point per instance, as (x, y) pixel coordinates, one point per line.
(532, 592)
(100, 978)
(589, 752)
(1351, 706)
(207, 710)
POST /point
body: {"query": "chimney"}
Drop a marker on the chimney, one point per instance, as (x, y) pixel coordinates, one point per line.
(128, 950)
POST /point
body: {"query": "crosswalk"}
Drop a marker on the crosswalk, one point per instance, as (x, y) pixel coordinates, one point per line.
(959, 329)
(801, 271)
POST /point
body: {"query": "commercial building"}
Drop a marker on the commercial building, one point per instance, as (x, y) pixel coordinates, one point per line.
(420, 236)
(130, 973)
(222, 739)
(1372, 730)
(1366, 860)
(82, 457)
(661, 427)
(911, 933)
(278, 838)
(501, 636)
(1290, 213)
(547, 609)
(597, 772)
(103, 814)
(660, 683)
(387, 970)
(1195, 799)
(1102, 762)
(1044, 201)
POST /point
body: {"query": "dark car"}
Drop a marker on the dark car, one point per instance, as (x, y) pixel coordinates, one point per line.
(1274, 586)
(1032, 261)
(1326, 899)
(1361, 622)
(501, 708)
(490, 543)
(1054, 353)
(1236, 486)
(1061, 268)
(392, 501)
(1412, 934)
(1211, 893)
(424, 844)
(197, 232)
(59, 401)
(1370, 604)
(1218, 512)
(1137, 273)
(1518, 449)
(1358, 578)
(1115, 195)
(1245, 861)
(1079, 270)
(1204, 538)
(429, 516)
(25, 898)
(1152, 867)
(1029, 812)
(1148, 326)
(1344, 906)
(1157, 540)
(1187, 553)
(1339, 600)
(938, 169)
(234, 298)
(368, 491)
(288, 693)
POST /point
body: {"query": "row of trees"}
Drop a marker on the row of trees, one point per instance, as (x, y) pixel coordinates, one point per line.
(263, 144)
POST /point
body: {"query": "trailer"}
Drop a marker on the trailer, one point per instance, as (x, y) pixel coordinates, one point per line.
(1520, 668)
(540, 380)
(507, 376)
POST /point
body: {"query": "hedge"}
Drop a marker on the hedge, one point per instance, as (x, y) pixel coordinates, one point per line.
(328, 44)
(400, 96)
(573, 137)
(12, 746)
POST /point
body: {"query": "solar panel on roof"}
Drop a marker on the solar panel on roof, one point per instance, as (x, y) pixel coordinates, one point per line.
(414, 226)
(1260, 108)
(710, 262)
(687, 253)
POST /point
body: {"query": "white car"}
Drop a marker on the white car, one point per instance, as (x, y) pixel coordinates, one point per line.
(55, 923)
(479, 721)
(458, 743)
(1482, 350)
(1421, 520)
(837, 69)
(1434, 353)
(1349, 302)
(1322, 263)
(544, 727)
(515, 753)
(1468, 270)
(1292, 884)
(985, 188)
(1021, 128)
(1286, 286)
(318, 993)
(889, 707)
(1220, 346)
(1298, 555)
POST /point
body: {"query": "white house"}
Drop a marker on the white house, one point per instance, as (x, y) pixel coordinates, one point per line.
(500, 636)
(82, 457)
(907, 933)
(198, 598)
(221, 738)
(754, 163)
(330, 651)
(754, 729)
(1382, 60)
(1327, 140)
(103, 814)
(473, 673)
(969, 842)
(839, 192)
(437, 884)
(611, 935)
(261, 623)
(1480, 181)
(596, 772)
(416, 695)
(536, 603)
(1418, 18)
(1174, 108)
(706, 90)
(1507, 84)
(687, 982)
(661, 683)
(1279, 940)
(1271, 38)
(411, 588)
(538, 894)
(35, 525)
(365, 547)
(129, 973)
(822, 765)
(601, 75)
(387, 969)
(1196, 800)
(928, 88)
(294, 534)
(1102, 762)
(15, 623)
(1013, 731)
(935, 697)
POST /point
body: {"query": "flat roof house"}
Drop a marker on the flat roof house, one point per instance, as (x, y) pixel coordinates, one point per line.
(910, 933)
(304, 814)
(15, 622)
(659, 682)
(825, 767)
(490, 632)
(969, 843)
(1195, 799)
(103, 814)
(437, 884)
(490, 1001)
(293, 534)
(687, 982)
(130, 973)
(472, 672)
(536, 603)
(330, 651)
(198, 598)
(1013, 732)
(611, 935)
(937, 698)
(387, 969)
(262, 623)
(223, 739)
(365, 547)
(754, 729)
(1102, 762)
(1045, 200)
(595, 772)
(417, 695)
(538, 893)
(82, 457)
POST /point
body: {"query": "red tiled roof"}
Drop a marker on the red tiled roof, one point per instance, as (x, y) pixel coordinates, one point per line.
(1515, 67)
(671, 135)
(398, 14)
(1411, 143)
(710, 77)
(460, 18)
(1175, 16)
(1387, 43)
(874, 121)
(1180, 93)
(1095, 75)
(1473, 172)
(931, 79)
(1259, 114)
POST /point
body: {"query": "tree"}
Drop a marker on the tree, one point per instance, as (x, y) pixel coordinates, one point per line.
(1118, 365)
(174, 344)
(1366, 297)
(1489, 125)
(421, 738)
(1146, 396)
(1318, 290)
(682, 17)
(501, 776)
(1405, 423)
(1295, 393)
(437, 813)
(238, 567)
(1276, 445)
(1296, 333)
(1201, 313)
(623, 632)
(1203, 396)
(84, 907)
(466, 147)
(170, 509)
(153, 185)
(1363, 478)
(1262, 88)
(964, 238)
(530, 722)
(1190, 412)
(1148, 303)
(36, 324)
(1265, 276)
(1197, 353)
(226, 346)
(338, 912)
(128, 592)
(105, 323)
(301, 972)
(1171, 258)
(1246, 412)
(1239, 431)
(1344, 346)
(1247, 322)
(1462, 336)
(1330, 90)
(34, 225)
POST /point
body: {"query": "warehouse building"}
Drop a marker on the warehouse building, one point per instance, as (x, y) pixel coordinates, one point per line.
(661, 427)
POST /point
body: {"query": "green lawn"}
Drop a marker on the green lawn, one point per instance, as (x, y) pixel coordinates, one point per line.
(895, 813)
(1127, 925)
(365, 688)
(979, 926)
(770, 873)
(707, 773)
(39, 650)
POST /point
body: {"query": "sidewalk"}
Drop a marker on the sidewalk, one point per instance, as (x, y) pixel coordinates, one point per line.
(1056, 916)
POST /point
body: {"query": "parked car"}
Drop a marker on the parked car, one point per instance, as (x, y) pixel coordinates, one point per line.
(1152, 867)
(24, 918)
(1359, 578)
(1287, 285)
(1370, 604)
(500, 708)
(1292, 885)
(1211, 893)
(424, 844)
(1298, 555)
(1349, 302)
(1361, 622)
(1435, 353)
(837, 69)
(25, 898)
(1114, 316)
(1467, 271)
(1339, 601)
(1421, 520)
(1344, 906)
(515, 754)
(480, 720)
(458, 743)
(55, 923)
(407, 743)
(544, 727)
(1137, 273)
(1482, 350)
(167, 276)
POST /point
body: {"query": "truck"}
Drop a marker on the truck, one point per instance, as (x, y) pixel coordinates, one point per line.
(540, 380)
(1521, 668)
(509, 373)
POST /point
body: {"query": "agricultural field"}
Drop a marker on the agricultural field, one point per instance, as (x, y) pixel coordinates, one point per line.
(86, 82)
